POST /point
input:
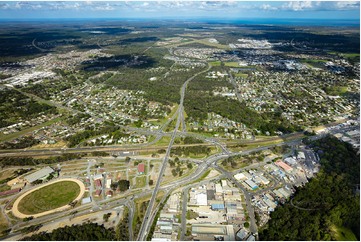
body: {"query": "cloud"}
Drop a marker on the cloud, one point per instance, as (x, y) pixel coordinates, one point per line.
(106, 7)
(4, 6)
(267, 7)
(199, 6)
(347, 5)
(321, 6)
(298, 5)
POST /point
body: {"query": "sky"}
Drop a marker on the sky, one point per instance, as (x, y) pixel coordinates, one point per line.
(180, 9)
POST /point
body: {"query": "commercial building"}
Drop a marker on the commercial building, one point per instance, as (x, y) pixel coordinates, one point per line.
(264, 180)
(219, 189)
(240, 176)
(283, 165)
(241, 234)
(39, 174)
(210, 232)
(86, 200)
(201, 198)
(251, 184)
(217, 206)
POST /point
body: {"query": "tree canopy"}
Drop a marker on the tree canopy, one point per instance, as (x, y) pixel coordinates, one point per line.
(328, 201)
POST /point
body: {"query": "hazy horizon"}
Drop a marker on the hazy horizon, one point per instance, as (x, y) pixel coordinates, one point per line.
(188, 10)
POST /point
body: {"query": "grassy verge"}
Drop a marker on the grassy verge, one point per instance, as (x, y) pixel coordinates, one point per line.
(202, 177)
(3, 224)
(141, 205)
(152, 228)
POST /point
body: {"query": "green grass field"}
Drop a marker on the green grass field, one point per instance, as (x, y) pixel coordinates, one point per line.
(215, 63)
(244, 75)
(351, 55)
(50, 197)
(141, 181)
(343, 234)
(231, 64)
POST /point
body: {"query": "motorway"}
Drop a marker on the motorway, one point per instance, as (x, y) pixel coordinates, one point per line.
(180, 118)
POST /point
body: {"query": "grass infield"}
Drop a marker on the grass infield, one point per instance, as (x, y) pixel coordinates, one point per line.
(49, 197)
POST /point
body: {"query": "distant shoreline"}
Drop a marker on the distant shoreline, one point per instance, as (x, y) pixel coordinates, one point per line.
(244, 21)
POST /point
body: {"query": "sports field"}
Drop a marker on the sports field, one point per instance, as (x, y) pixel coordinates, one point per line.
(49, 197)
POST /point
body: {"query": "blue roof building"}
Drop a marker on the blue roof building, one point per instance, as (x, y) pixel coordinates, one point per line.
(217, 206)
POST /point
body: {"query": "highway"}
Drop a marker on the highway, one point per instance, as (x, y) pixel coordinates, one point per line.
(180, 118)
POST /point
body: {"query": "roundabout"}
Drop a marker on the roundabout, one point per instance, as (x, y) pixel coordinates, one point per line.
(48, 198)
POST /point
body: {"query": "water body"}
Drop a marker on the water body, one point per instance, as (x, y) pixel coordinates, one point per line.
(245, 21)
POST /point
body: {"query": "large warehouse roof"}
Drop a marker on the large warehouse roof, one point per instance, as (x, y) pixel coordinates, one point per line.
(39, 174)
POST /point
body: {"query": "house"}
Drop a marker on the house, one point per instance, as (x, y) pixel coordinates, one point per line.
(109, 193)
(98, 192)
(141, 169)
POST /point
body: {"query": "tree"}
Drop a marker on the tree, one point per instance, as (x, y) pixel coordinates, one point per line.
(106, 216)
(171, 163)
(83, 232)
(189, 165)
(123, 185)
(151, 182)
(114, 186)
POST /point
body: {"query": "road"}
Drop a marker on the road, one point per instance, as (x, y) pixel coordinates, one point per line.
(146, 221)
(184, 213)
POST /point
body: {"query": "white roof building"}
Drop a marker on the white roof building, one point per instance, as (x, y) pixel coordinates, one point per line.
(86, 200)
(108, 182)
(219, 189)
(39, 174)
(301, 155)
(97, 177)
(240, 176)
(201, 198)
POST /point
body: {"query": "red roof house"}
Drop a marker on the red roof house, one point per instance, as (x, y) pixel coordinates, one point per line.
(141, 168)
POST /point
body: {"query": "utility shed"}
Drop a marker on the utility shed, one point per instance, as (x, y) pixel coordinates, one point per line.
(39, 174)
